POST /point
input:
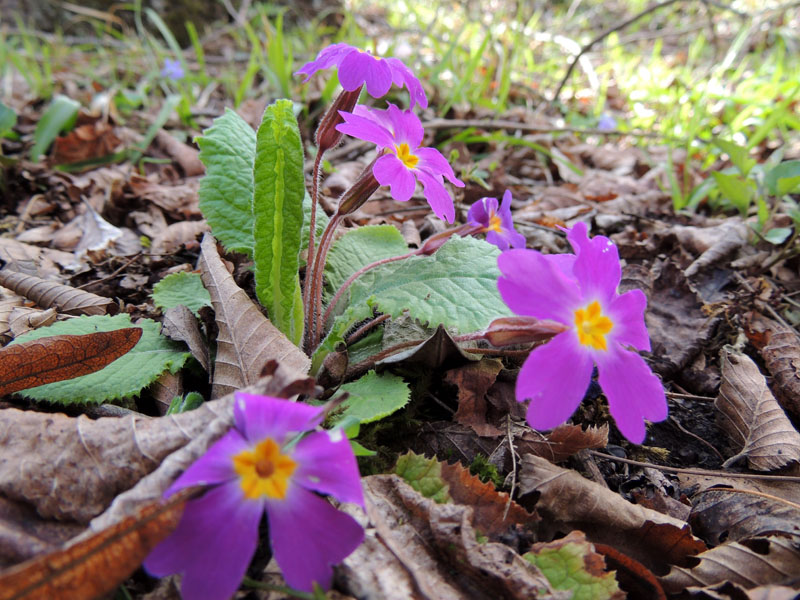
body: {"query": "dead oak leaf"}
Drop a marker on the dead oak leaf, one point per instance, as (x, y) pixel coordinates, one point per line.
(92, 140)
(780, 347)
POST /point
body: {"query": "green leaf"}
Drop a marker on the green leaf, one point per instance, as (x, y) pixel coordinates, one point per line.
(181, 288)
(278, 217)
(456, 287)
(360, 247)
(424, 475)
(565, 565)
(738, 155)
(123, 378)
(778, 235)
(373, 397)
(736, 189)
(228, 150)
(8, 118)
(59, 116)
(784, 178)
(185, 403)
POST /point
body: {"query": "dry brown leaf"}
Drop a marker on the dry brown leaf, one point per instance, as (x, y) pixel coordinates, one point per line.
(60, 357)
(179, 200)
(182, 233)
(720, 515)
(24, 318)
(181, 153)
(494, 513)
(562, 442)
(567, 501)
(780, 347)
(416, 548)
(473, 380)
(180, 324)
(246, 339)
(92, 140)
(752, 417)
(95, 566)
(732, 591)
(750, 563)
(721, 241)
(33, 260)
(8, 302)
(49, 293)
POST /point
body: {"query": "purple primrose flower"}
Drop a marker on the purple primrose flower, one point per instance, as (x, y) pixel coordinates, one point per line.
(172, 69)
(257, 466)
(398, 135)
(580, 291)
(496, 222)
(357, 68)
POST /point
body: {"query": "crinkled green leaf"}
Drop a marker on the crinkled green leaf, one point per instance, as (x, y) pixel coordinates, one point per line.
(424, 475)
(360, 247)
(181, 288)
(185, 403)
(228, 150)
(373, 397)
(456, 287)
(123, 378)
(278, 217)
(565, 569)
(59, 116)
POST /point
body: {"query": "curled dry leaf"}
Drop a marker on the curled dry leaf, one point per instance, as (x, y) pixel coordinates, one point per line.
(60, 357)
(473, 380)
(567, 501)
(49, 293)
(415, 548)
(758, 561)
(719, 515)
(97, 565)
(246, 339)
(182, 233)
(562, 442)
(715, 243)
(91, 140)
(181, 201)
(752, 417)
(180, 324)
(25, 318)
(181, 153)
(780, 347)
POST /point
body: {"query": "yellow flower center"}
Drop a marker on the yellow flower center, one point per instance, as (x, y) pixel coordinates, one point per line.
(495, 224)
(264, 471)
(592, 326)
(404, 154)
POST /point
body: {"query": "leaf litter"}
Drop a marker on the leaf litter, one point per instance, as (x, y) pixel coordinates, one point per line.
(708, 282)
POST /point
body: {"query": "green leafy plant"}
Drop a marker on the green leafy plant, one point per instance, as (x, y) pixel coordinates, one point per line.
(181, 288)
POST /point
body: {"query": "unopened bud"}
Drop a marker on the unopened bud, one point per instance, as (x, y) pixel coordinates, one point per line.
(436, 241)
(358, 193)
(327, 136)
(507, 331)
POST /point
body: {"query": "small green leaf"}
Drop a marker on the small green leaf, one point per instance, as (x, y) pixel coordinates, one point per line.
(59, 116)
(228, 150)
(736, 189)
(424, 475)
(784, 178)
(181, 288)
(359, 450)
(278, 217)
(185, 403)
(359, 248)
(123, 378)
(373, 397)
(738, 155)
(8, 118)
(778, 235)
(565, 566)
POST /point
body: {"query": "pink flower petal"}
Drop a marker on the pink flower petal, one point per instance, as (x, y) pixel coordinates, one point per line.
(212, 545)
(597, 265)
(430, 159)
(326, 464)
(533, 286)
(402, 76)
(390, 170)
(480, 213)
(435, 193)
(360, 68)
(555, 378)
(309, 536)
(260, 417)
(634, 393)
(215, 466)
(327, 57)
(406, 127)
(563, 263)
(627, 314)
(365, 128)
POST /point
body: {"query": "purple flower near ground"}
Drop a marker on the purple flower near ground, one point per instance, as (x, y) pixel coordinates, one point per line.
(172, 69)
(606, 123)
(357, 67)
(398, 135)
(580, 291)
(256, 467)
(496, 222)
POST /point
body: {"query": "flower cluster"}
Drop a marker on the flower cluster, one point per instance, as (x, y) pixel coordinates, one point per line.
(496, 222)
(580, 291)
(397, 134)
(260, 466)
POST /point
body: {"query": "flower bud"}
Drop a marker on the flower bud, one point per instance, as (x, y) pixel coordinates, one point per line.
(436, 241)
(327, 137)
(507, 331)
(358, 193)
